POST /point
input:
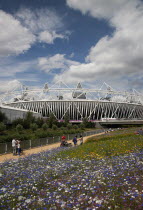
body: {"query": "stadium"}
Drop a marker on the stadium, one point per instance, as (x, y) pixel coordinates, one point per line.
(98, 104)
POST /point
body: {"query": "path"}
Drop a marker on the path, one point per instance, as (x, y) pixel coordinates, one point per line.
(6, 157)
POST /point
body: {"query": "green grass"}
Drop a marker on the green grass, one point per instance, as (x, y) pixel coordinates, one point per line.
(111, 144)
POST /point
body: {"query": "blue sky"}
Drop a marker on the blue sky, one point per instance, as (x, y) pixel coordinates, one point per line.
(90, 41)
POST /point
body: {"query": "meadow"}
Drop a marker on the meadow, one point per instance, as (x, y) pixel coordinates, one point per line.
(104, 173)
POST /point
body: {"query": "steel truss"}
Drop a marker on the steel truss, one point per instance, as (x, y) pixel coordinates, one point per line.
(60, 100)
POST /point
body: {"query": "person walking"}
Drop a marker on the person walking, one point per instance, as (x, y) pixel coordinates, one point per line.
(18, 147)
(14, 146)
(75, 140)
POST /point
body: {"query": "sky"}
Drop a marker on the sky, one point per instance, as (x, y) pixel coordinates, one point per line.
(87, 41)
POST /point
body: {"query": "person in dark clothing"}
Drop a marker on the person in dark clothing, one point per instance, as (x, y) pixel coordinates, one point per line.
(75, 140)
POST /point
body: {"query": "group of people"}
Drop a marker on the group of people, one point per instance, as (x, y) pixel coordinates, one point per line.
(16, 147)
(75, 140)
(139, 132)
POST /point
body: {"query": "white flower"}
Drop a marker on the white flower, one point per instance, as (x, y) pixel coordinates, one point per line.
(28, 201)
(20, 198)
(99, 201)
(3, 189)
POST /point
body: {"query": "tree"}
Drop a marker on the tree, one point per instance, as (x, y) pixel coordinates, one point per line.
(69, 126)
(85, 122)
(75, 126)
(66, 118)
(29, 119)
(33, 126)
(19, 128)
(45, 126)
(54, 127)
(39, 121)
(82, 126)
(17, 121)
(52, 120)
(62, 128)
(88, 124)
(2, 127)
(3, 117)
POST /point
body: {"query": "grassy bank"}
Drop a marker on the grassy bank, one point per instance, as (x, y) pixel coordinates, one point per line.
(110, 144)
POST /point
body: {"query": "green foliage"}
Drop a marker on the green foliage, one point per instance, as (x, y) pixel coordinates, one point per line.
(54, 127)
(45, 126)
(29, 119)
(19, 128)
(75, 126)
(41, 134)
(85, 122)
(17, 122)
(88, 124)
(39, 121)
(3, 117)
(52, 120)
(69, 126)
(62, 128)
(2, 127)
(66, 119)
(82, 126)
(33, 126)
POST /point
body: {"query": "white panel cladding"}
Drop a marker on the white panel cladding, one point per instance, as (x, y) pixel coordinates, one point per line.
(77, 110)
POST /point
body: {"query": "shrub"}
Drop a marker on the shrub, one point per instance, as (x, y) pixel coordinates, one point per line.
(33, 126)
(52, 120)
(41, 134)
(45, 126)
(19, 128)
(29, 119)
(39, 121)
(75, 126)
(66, 119)
(17, 122)
(2, 127)
(69, 126)
(82, 126)
(54, 127)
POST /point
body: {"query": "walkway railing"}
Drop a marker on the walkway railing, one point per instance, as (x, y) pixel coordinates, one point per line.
(28, 144)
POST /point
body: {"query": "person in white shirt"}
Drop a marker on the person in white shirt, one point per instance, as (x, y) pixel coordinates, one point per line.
(81, 139)
(14, 146)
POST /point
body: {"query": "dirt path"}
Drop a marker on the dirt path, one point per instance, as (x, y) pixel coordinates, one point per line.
(6, 157)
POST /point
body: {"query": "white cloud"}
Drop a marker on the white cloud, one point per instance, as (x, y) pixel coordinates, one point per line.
(14, 38)
(9, 67)
(39, 20)
(9, 86)
(47, 37)
(43, 23)
(21, 30)
(116, 58)
(57, 61)
(99, 8)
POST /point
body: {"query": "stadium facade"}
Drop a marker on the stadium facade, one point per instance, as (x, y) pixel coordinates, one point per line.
(78, 103)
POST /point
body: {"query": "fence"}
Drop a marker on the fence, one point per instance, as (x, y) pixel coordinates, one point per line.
(28, 144)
